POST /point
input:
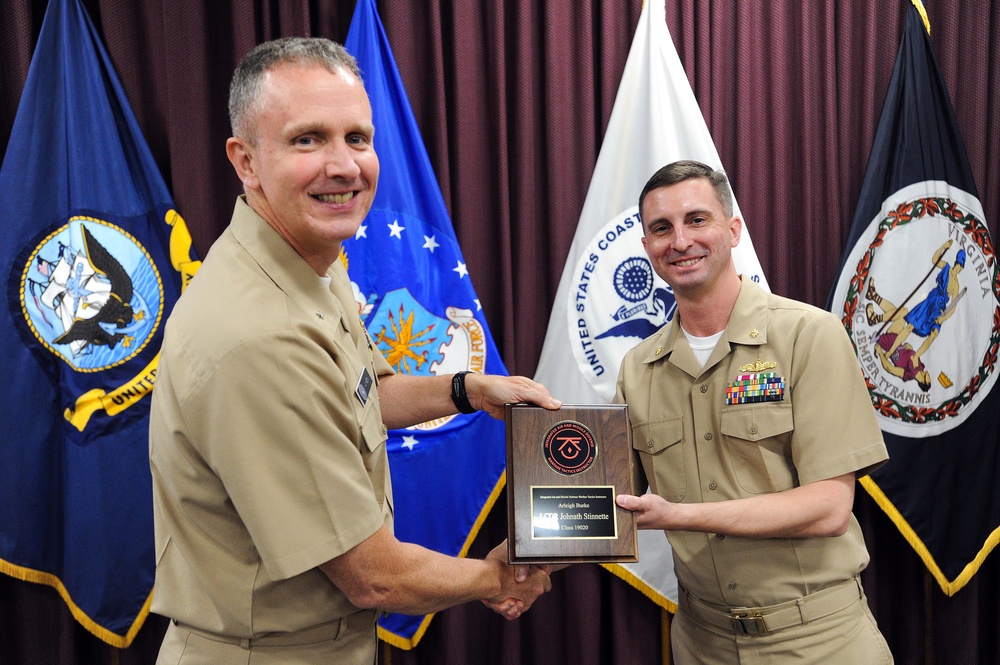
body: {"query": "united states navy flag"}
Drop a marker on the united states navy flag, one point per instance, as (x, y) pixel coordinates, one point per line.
(419, 305)
(918, 296)
(93, 258)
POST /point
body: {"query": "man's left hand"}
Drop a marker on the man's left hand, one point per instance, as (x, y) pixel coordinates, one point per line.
(489, 393)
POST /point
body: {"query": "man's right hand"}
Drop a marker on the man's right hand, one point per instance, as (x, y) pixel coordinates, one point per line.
(520, 585)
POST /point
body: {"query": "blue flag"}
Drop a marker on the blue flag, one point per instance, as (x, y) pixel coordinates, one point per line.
(419, 305)
(93, 258)
(917, 294)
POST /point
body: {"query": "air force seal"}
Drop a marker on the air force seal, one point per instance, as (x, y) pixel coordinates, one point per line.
(416, 341)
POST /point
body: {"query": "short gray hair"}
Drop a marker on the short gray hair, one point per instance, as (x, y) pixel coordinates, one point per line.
(687, 169)
(245, 89)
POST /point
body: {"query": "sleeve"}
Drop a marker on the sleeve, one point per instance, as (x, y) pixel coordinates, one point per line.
(835, 428)
(293, 447)
(382, 366)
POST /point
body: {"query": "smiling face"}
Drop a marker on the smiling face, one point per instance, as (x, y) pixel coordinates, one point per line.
(689, 238)
(311, 169)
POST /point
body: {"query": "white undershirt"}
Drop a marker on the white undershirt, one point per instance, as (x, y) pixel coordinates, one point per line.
(702, 347)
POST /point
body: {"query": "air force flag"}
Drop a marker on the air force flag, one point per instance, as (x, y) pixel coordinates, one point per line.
(417, 300)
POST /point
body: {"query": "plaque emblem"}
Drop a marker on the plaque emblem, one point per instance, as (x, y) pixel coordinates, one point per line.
(569, 448)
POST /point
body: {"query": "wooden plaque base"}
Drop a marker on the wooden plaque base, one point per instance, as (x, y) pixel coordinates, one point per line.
(564, 469)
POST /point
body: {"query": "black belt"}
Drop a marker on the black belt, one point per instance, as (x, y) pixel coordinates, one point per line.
(763, 620)
(324, 632)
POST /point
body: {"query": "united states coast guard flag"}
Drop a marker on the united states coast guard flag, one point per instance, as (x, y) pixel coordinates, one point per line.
(609, 299)
(92, 261)
(419, 306)
(918, 296)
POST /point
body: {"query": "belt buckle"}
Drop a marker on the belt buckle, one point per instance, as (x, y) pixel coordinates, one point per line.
(748, 623)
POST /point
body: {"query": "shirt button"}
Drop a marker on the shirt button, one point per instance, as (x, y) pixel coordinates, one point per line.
(649, 444)
(753, 429)
(732, 585)
(713, 486)
(722, 536)
(704, 388)
(708, 436)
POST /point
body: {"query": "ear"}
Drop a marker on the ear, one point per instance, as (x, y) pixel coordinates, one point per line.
(644, 245)
(241, 156)
(735, 229)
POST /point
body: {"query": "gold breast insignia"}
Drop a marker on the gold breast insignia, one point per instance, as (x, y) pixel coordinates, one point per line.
(758, 366)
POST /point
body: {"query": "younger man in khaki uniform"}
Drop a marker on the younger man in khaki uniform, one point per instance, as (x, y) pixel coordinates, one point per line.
(737, 409)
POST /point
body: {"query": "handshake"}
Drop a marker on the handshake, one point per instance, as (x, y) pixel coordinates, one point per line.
(520, 585)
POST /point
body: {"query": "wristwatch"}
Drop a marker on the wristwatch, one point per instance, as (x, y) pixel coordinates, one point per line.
(458, 394)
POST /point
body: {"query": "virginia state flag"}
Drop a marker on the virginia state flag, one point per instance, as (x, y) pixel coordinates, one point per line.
(93, 258)
(609, 299)
(419, 305)
(918, 296)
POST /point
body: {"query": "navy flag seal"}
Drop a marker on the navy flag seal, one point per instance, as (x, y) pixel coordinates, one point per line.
(92, 299)
(91, 294)
(920, 304)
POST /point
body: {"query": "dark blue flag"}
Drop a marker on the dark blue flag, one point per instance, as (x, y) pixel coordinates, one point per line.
(419, 305)
(93, 258)
(918, 296)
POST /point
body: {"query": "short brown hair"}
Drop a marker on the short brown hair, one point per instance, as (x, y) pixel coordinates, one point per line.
(687, 169)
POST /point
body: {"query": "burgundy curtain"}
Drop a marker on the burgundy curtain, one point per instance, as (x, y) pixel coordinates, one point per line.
(513, 97)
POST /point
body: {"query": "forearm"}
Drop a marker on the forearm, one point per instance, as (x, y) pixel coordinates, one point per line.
(819, 509)
(781, 515)
(386, 574)
(407, 400)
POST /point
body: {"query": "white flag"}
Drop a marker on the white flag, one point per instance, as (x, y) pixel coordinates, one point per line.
(609, 298)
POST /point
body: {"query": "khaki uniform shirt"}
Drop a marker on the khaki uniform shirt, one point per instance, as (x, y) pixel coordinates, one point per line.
(692, 447)
(265, 462)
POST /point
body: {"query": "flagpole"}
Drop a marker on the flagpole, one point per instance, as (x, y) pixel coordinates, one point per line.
(665, 618)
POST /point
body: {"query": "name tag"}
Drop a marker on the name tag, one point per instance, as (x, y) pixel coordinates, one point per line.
(364, 386)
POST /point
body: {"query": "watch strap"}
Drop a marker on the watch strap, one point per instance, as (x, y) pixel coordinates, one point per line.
(458, 394)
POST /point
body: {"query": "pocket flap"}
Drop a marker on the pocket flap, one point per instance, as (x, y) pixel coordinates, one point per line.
(757, 422)
(653, 437)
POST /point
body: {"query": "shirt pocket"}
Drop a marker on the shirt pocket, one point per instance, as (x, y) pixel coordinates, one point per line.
(662, 455)
(759, 439)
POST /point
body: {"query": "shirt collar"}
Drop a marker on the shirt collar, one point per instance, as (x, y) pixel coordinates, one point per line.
(747, 325)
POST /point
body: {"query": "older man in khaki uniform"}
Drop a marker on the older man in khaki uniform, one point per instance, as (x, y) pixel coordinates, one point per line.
(750, 423)
(271, 492)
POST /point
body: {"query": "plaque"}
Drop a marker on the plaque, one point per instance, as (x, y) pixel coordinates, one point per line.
(564, 469)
